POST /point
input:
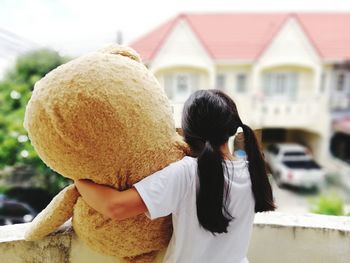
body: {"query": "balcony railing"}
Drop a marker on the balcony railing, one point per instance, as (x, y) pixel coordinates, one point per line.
(277, 113)
(290, 113)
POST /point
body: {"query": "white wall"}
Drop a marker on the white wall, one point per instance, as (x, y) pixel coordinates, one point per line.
(183, 49)
(290, 47)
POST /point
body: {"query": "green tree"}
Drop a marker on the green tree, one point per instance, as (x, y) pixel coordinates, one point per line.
(15, 91)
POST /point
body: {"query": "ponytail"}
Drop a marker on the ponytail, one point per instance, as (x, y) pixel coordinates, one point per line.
(258, 173)
(209, 118)
(210, 199)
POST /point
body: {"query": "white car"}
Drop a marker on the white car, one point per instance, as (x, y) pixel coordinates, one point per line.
(292, 164)
(14, 212)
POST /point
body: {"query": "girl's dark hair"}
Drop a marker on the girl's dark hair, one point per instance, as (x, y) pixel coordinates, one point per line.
(209, 118)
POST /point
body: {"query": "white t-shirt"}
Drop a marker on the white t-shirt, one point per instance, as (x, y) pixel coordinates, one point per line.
(173, 189)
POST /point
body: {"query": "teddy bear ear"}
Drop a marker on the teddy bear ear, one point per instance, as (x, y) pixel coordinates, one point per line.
(125, 51)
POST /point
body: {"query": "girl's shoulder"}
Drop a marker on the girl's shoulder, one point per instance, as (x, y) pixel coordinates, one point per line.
(186, 163)
(187, 166)
(192, 161)
(189, 160)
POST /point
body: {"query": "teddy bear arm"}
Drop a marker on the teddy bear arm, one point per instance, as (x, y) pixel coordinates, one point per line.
(54, 215)
(143, 258)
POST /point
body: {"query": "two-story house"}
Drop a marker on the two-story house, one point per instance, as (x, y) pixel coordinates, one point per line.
(278, 67)
(340, 110)
(340, 114)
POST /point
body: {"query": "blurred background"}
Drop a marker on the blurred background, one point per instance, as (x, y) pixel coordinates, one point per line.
(286, 64)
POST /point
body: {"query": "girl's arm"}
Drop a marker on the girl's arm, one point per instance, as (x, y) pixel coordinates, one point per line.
(111, 202)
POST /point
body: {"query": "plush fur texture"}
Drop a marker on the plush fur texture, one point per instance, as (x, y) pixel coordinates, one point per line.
(103, 117)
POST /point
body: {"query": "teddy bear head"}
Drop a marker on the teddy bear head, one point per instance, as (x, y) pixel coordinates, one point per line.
(98, 115)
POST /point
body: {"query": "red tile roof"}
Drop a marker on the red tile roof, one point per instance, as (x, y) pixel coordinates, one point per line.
(330, 33)
(246, 35)
(150, 43)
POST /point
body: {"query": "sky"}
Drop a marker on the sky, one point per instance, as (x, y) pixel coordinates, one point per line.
(74, 27)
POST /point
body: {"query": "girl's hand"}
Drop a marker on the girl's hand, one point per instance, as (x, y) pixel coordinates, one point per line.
(109, 201)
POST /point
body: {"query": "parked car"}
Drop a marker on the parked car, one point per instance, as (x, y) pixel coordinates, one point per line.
(15, 212)
(292, 164)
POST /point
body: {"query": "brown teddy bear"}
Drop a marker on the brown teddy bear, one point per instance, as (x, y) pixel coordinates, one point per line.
(103, 117)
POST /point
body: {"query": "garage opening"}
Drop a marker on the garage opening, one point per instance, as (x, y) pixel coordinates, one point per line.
(312, 141)
(340, 146)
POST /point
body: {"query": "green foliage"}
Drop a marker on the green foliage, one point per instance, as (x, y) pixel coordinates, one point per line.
(3, 189)
(328, 204)
(15, 92)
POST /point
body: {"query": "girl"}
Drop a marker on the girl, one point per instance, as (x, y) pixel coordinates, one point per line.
(212, 198)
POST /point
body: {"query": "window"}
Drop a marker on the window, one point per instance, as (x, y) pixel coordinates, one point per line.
(182, 84)
(241, 80)
(179, 86)
(221, 82)
(281, 85)
(340, 82)
(294, 153)
(185, 84)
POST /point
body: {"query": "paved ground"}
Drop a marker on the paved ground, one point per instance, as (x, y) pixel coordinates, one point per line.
(297, 201)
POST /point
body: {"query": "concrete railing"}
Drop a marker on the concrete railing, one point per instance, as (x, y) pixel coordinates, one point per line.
(277, 237)
(308, 238)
